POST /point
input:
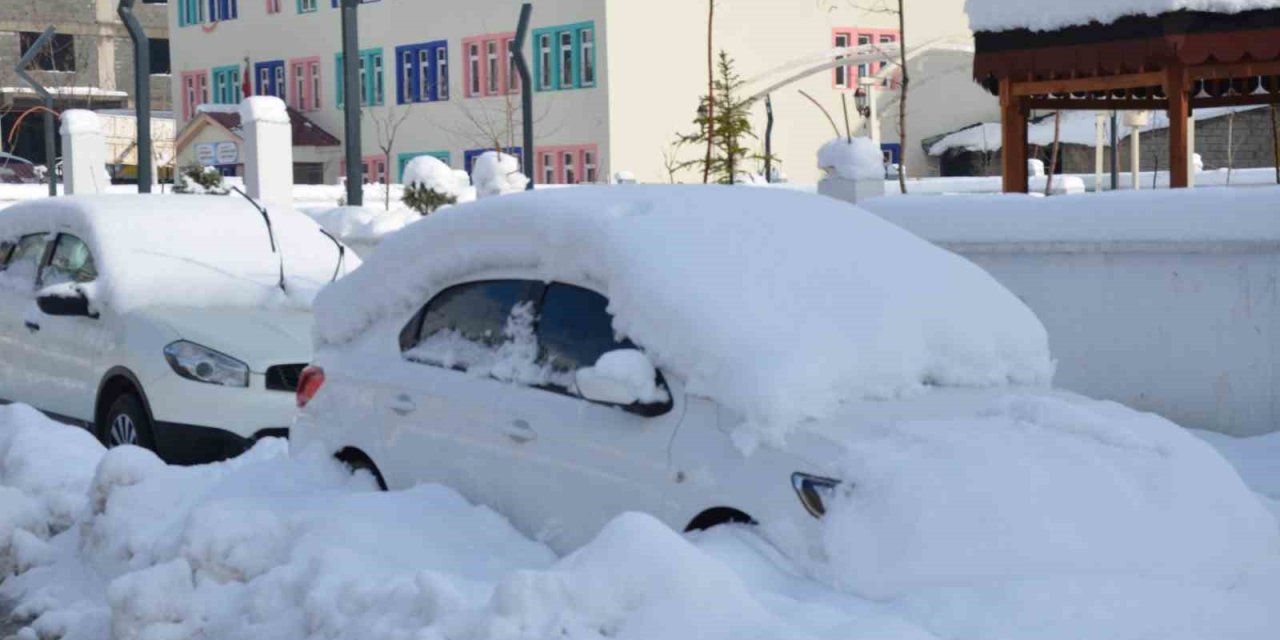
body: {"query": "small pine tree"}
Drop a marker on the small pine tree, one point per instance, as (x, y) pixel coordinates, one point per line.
(731, 131)
(200, 181)
(425, 200)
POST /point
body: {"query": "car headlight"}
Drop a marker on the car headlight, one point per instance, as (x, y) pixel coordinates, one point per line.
(814, 492)
(202, 364)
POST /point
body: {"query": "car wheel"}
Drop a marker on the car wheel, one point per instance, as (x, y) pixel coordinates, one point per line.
(127, 423)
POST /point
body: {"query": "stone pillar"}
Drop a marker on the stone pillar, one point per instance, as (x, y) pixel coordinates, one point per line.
(84, 153)
(268, 150)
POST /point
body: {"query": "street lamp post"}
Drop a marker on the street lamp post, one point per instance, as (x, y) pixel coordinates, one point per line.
(865, 97)
(351, 101)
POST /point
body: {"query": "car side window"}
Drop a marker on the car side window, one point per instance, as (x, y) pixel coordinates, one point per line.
(575, 328)
(483, 328)
(71, 262)
(24, 259)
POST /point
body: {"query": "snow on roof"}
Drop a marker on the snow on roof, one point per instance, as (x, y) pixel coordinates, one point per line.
(70, 91)
(199, 251)
(780, 305)
(1078, 127)
(1003, 15)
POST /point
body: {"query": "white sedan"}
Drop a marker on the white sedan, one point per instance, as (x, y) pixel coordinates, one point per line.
(177, 323)
(691, 352)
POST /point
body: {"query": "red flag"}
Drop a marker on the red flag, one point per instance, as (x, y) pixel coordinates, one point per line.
(246, 85)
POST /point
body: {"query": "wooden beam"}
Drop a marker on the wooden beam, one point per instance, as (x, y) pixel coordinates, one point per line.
(1096, 104)
(1177, 88)
(1226, 71)
(1095, 83)
(1236, 101)
(1013, 123)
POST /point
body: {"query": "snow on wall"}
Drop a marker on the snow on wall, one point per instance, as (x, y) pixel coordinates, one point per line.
(799, 302)
(1165, 301)
(1001, 15)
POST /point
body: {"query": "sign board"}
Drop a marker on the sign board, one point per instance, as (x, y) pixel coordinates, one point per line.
(210, 154)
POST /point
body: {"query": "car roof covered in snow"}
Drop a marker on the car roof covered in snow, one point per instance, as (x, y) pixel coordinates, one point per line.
(780, 305)
(182, 250)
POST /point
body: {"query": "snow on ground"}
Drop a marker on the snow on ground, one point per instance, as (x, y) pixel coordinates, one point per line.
(116, 544)
(1257, 459)
(1000, 15)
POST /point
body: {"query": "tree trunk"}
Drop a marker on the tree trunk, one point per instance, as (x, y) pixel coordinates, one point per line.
(1053, 154)
(902, 101)
(711, 91)
(386, 200)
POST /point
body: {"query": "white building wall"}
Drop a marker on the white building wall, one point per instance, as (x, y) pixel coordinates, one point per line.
(651, 70)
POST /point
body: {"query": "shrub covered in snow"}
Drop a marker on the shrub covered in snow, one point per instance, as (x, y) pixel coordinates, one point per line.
(495, 174)
(430, 184)
(196, 180)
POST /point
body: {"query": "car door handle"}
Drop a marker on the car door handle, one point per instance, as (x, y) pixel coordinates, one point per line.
(403, 405)
(31, 326)
(521, 432)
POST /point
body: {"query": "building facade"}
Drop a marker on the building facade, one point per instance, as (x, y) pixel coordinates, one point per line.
(89, 65)
(615, 81)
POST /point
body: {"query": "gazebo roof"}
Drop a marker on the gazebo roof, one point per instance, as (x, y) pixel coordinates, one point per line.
(1131, 45)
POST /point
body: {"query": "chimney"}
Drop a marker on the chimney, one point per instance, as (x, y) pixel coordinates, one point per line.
(84, 153)
(268, 159)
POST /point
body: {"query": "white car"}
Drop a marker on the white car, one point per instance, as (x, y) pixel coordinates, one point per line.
(178, 323)
(566, 356)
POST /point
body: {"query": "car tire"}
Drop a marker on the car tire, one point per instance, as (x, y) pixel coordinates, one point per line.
(127, 423)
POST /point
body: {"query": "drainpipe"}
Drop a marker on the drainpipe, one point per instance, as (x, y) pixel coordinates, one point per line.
(141, 90)
(49, 144)
(351, 101)
(526, 92)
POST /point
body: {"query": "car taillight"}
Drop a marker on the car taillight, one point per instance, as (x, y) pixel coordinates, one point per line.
(310, 382)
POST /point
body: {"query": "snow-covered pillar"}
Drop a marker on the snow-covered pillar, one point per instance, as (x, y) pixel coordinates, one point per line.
(84, 153)
(854, 170)
(1136, 121)
(1100, 128)
(268, 153)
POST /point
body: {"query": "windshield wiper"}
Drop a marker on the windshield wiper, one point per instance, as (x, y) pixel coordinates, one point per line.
(271, 234)
(342, 254)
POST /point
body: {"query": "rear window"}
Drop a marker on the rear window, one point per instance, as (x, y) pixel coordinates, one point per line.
(24, 258)
(465, 324)
(575, 328)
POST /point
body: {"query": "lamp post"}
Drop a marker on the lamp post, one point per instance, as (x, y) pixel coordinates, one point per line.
(351, 101)
(865, 99)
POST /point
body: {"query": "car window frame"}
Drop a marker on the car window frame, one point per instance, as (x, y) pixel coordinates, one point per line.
(52, 247)
(44, 252)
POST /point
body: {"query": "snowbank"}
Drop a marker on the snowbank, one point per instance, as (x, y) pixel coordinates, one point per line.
(1000, 15)
(361, 228)
(852, 159)
(884, 313)
(191, 251)
(495, 174)
(292, 548)
(1041, 486)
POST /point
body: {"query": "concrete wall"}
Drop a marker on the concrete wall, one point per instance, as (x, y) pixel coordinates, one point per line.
(1165, 302)
(1252, 143)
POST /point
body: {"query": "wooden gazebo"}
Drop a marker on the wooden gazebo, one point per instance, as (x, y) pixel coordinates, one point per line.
(1174, 62)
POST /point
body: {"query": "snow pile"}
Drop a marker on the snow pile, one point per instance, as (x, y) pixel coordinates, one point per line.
(78, 121)
(1001, 15)
(1040, 486)
(193, 251)
(1257, 459)
(495, 174)
(361, 228)
(852, 159)
(885, 313)
(623, 377)
(264, 109)
(430, 172)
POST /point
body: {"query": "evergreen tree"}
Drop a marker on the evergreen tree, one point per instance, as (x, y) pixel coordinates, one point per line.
(424, 199)
(729, 128)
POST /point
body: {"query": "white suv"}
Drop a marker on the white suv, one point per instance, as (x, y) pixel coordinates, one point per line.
(178, 323)
(691, 352)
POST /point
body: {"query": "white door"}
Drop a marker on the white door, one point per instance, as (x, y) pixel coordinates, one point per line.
(69, 347)
(20, 369)
(581, 464)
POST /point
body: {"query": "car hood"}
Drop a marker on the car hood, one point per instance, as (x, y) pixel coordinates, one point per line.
(260, 338)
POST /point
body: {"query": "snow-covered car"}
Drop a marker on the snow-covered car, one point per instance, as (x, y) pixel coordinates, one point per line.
(569, 355)
(178, 323)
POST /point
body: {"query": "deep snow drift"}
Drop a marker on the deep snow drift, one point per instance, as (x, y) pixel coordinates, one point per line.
(267, 546)
(827, 300)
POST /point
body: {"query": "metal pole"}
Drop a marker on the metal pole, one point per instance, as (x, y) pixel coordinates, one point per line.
(768, 140)
(142, 91)
(351, 101)
(49, 139)
(1115, 152)
(526, 91)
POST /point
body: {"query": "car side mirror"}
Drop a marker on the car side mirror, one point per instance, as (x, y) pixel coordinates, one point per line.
(626, 378)
(64, 300)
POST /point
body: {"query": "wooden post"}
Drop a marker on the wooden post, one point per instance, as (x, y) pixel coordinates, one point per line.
(1179, 111)
(1013, 120)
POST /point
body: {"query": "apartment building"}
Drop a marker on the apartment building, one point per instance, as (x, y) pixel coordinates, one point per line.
(88, 65)
(615, 81)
